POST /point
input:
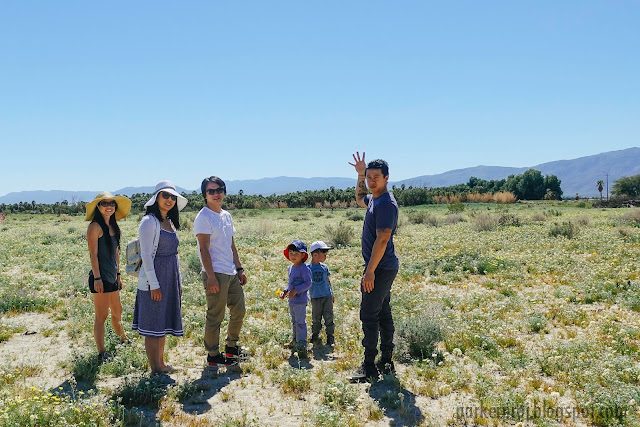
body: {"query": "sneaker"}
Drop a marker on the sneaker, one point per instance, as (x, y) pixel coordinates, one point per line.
(386, 367)
(315, 340)
(291, 344)
(330, 340)
(365, 373)
(235, 353)
(219, 360)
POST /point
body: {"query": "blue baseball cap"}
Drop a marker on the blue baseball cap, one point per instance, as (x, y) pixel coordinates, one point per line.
(300, 247)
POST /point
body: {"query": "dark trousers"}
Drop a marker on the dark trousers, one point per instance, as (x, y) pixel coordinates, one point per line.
(322, 307)
(375, 314)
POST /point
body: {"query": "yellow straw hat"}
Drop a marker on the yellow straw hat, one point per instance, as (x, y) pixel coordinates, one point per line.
(124, 205)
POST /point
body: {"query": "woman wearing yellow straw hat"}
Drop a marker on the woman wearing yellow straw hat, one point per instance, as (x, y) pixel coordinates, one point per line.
(103, 238)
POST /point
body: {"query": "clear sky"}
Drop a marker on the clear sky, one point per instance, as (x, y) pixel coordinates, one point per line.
(107, 94)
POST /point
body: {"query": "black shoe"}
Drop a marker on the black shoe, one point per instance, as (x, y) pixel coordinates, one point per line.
(219, 360)
(330, 340)
(386, 367)
(315, 340)
(235, 353)
(365, 373)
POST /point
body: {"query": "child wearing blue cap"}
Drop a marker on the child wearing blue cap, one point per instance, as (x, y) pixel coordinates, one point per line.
(297, 293)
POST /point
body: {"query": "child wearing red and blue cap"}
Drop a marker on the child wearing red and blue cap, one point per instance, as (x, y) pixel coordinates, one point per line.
(297, 293)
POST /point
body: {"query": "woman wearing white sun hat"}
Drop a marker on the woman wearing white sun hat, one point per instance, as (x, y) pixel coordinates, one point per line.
(103, 239)
(157, 309)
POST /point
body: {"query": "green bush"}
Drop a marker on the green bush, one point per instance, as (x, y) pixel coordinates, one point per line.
(418, 337)
(456, 207)
(566, 229)
(340, 235)
(422, 217)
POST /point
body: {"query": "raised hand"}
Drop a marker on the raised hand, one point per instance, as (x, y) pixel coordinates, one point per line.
(359, 164)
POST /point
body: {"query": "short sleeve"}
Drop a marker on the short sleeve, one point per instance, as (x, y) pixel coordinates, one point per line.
(201, 225)
(386, 215)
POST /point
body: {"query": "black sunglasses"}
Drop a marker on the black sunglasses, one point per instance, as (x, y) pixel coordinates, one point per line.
(105, 204)
(166, 195)
(212, 191)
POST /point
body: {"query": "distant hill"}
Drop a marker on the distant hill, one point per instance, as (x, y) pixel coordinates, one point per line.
(577, 175)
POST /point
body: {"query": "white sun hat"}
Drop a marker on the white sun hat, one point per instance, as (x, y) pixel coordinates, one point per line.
(169, 187)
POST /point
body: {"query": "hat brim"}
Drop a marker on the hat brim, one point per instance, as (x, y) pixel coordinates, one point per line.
(124, 206)
(181, 202)
(286, 254)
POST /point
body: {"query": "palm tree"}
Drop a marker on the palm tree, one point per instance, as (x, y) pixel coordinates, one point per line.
(600, 187)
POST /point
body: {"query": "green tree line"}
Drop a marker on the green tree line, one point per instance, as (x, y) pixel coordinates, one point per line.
(530, 185)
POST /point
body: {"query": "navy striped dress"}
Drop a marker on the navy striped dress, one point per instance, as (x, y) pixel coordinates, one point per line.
(159, 318)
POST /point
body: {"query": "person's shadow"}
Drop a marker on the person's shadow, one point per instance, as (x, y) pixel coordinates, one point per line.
(196, 394)
(297, 363)
(398, 402)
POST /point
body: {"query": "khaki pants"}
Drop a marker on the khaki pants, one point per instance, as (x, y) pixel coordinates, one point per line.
(230, 295)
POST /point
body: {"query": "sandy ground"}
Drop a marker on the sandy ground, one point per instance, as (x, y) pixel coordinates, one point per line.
(228, 394)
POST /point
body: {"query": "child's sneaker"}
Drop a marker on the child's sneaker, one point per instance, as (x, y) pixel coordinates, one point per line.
(330, 340)
(236, 353)
(219, 360)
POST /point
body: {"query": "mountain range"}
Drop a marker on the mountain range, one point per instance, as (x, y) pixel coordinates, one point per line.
(577, 176)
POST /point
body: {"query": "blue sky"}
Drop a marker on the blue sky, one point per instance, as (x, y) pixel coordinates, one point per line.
(103, 95)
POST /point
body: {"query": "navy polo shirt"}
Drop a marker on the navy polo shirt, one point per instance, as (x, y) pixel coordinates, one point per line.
(382, 212)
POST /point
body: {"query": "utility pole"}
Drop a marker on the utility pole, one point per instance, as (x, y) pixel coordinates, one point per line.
(607, 175)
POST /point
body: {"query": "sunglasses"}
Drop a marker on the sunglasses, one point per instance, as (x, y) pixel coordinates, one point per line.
(105, 204)
(166, 195)
(212, 191)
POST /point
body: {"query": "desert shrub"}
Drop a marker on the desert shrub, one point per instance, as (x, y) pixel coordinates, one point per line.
(509, 220)
(293, 380)
(468, 262)
(553, 212)
(140, 391)
(422, 217)
(340, 235)
(537, 323)
(632, 216)
(318, 214)
(454, 218)
(340, 395)
(456, 207)
(65, 217)
(355, 215)
(418, 337)
(24, 303)
(582, 220)
(484, 222)
(566, 229)
(538, 217)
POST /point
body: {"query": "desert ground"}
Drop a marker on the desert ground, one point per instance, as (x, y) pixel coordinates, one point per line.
(518, 314)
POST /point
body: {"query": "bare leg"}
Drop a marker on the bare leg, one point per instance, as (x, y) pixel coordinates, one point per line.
(153, 348)
(116, 315)
(101, 308)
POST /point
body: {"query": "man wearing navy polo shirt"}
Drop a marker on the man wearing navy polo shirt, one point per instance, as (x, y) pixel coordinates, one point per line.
(381, 266)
